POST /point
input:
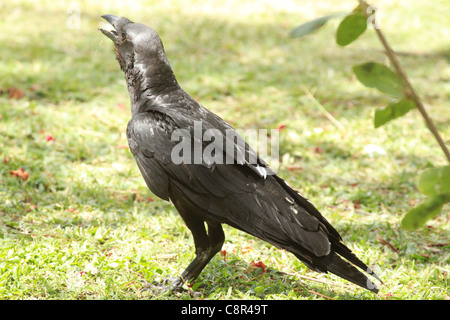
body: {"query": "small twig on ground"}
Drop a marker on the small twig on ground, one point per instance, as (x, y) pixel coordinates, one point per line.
(322, 108)
(387, 244)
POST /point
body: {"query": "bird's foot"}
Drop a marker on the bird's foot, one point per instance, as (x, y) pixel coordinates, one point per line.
(163, 285)
(169, 285)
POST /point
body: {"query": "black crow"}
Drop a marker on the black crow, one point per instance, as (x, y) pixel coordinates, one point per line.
(242, 192)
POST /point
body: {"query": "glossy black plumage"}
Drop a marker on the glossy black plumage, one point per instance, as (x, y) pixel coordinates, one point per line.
(246, 194)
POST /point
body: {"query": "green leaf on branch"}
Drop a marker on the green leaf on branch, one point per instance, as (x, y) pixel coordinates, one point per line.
(435, 181)
(429, 209)
(377, 75)
(351, 27)
(392, 111)
(311, 26)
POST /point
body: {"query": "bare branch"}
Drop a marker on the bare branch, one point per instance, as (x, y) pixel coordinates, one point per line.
(410, 92)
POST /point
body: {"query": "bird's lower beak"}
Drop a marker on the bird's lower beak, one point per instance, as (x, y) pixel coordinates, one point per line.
(112, 34)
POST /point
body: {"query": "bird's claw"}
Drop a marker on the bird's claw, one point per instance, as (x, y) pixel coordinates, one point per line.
(169, 285)
(163, 285)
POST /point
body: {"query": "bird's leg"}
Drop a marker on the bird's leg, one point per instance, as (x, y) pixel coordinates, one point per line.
(206, 247)
(202, 252)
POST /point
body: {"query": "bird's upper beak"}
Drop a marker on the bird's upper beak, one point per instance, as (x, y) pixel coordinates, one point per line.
(112, 19)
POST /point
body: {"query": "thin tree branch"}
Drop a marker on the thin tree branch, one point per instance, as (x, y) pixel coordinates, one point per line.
(410, 92)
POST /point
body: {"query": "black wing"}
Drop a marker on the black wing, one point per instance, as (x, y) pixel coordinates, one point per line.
(241, 195)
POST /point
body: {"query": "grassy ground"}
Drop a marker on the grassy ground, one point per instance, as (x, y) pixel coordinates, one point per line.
(84, 225)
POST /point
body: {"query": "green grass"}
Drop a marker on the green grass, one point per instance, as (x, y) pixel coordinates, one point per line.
(84, 225)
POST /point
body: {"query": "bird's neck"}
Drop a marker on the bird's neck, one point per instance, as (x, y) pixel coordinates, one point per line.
(148, 83)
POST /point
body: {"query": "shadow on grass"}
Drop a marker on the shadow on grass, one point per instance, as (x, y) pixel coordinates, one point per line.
(239, 278)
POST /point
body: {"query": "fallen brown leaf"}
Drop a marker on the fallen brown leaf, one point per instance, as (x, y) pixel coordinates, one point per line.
(258, 264)
(20, 173)
(15, 93)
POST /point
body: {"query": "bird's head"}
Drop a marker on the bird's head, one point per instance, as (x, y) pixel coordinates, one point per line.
(142, 58)
(134, 43)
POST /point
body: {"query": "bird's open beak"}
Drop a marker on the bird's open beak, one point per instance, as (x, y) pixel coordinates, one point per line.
(112, 34)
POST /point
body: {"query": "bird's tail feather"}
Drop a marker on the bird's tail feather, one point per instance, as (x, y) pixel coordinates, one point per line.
(345, 270)
(335, 264)
(345, 252)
